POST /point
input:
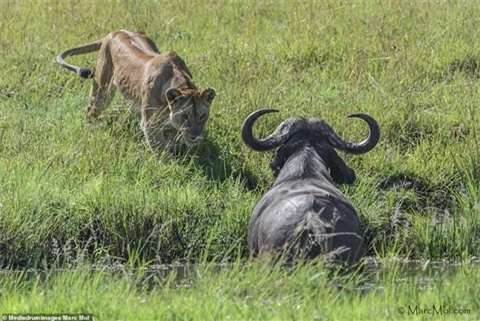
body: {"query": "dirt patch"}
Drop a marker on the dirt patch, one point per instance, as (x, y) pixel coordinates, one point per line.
(313, 58)
(153, 237)
(407, 134)
(468, 66)
(403, 180)
(419, 194)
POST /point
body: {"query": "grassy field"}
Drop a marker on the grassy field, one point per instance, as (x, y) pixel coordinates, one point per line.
(70, 196)
(248, 292)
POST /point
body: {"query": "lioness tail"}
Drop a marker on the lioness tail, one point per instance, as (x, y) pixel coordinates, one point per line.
(82, 72)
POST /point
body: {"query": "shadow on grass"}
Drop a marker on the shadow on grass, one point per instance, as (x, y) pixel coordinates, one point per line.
(216, 164)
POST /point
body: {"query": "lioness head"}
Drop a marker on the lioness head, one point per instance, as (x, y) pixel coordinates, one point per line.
(189, 111)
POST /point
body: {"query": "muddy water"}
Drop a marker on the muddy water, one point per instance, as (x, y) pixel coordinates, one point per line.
(424, 273)
(374, 273)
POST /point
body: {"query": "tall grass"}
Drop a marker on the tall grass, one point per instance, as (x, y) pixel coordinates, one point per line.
(69, 194)
(246, 292)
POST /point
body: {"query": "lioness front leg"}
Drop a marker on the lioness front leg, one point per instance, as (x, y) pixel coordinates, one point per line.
(153, 129)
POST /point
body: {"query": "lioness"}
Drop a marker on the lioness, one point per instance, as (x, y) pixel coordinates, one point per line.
(160, 87)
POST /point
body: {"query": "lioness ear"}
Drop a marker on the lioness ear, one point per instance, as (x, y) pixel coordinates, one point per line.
(208, 94)
(173, 94)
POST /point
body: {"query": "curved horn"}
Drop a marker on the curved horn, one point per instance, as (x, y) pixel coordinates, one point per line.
(357, 148)
(275, 139)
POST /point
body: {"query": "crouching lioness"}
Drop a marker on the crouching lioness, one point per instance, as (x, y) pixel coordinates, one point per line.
(160, 87)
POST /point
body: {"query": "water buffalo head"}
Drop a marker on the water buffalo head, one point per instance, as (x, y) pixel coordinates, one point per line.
(295, 134)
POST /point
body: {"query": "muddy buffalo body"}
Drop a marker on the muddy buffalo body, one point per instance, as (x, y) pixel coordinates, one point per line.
(304, 214)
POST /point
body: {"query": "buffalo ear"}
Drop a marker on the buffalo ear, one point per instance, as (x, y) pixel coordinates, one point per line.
(339, 171)
(173, 94)
(279, 160)
(208, 95)
(343, 175)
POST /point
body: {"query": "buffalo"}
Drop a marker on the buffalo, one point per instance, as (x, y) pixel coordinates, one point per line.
(304, 215)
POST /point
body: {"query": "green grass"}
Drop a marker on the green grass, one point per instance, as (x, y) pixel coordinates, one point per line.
(71, 197)
(68, 193)
(246, 292)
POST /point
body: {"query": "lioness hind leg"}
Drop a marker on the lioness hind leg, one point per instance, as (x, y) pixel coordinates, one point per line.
(103, 89)
(100, 98)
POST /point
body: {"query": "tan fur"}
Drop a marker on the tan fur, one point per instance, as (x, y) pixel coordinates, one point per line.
(161, 85)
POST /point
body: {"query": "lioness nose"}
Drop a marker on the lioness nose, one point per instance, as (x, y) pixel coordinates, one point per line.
(195, 132)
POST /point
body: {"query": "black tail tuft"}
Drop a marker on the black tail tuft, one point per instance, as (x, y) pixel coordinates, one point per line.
(85, 73)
